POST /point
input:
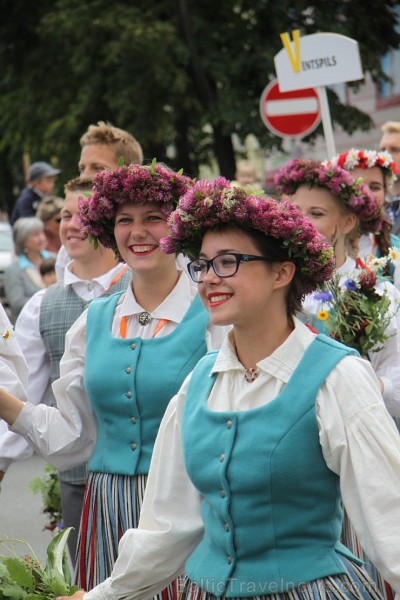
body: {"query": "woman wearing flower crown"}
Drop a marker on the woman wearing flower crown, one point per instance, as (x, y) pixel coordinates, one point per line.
(253, 451)
(338, 205)
(125, 358)
(378, 171)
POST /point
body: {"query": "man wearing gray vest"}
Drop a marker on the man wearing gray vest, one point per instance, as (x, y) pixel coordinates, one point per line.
(41, 329)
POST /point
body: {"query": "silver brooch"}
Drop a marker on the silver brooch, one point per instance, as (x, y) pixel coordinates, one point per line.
(144, 318)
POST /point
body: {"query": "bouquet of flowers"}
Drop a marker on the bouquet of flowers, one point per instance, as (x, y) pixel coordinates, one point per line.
(355, 310)
(24, 577)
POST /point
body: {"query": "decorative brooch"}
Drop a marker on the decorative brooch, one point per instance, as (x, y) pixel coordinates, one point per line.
(250, 375)
(144, 318)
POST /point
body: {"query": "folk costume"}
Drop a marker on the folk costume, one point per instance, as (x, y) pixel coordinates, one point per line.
(222, 437)
(113, 498)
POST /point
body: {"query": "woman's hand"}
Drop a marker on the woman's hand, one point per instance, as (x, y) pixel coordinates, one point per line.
(77, 596)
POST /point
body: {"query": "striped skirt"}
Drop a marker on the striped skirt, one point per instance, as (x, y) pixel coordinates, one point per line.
(111, 505)
(350, 540)
(355, 584)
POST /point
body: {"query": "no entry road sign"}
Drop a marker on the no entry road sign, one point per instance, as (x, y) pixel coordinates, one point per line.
(292, 114)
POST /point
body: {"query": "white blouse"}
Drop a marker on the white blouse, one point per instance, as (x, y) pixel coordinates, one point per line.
(359, 442)
(27, 330)
(386, 362)
(13, 367)
(65, 435)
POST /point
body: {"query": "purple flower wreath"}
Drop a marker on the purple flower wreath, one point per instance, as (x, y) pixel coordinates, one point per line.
(128, 184)
(352, 192)
(207, 205)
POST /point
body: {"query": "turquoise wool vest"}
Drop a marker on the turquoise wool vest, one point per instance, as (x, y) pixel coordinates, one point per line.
(59, 309)
(271, 507)
(130, 381)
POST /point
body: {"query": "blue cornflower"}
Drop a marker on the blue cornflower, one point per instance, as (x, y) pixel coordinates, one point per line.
(350, 285)
(323, 296)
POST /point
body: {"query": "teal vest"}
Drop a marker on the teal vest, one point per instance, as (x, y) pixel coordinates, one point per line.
(271, 507)
(129, 383)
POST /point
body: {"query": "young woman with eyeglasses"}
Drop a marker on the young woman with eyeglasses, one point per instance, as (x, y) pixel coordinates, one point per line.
(124, 359)
(265, 436)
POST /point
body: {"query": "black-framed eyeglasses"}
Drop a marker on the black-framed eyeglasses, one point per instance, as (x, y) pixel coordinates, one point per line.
(224, 265)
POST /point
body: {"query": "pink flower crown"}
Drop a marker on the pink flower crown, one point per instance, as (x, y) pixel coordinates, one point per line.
(128, 184)
(211, 204)
(366, 159)
(352, 192)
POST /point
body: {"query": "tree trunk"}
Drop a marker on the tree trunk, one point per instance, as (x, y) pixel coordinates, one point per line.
(183, 151)
(224, 153)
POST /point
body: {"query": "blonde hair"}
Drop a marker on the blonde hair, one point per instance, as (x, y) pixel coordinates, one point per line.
(391, 127)
(78, 184)
(124, 144)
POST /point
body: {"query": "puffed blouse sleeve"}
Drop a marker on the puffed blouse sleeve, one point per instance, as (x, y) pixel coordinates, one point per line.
(360, 443)
(64, 435)
(170, 526)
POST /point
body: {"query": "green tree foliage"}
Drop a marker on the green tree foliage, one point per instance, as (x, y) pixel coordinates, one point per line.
(182, 75)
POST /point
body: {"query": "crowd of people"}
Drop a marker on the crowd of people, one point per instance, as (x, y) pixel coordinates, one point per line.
(212, 437)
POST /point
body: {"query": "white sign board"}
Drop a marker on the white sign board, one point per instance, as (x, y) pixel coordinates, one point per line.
(318, 59)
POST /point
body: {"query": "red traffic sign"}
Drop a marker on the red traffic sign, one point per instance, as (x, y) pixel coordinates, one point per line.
(290, 114)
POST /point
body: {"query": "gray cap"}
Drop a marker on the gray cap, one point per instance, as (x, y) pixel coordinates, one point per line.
(41, 169)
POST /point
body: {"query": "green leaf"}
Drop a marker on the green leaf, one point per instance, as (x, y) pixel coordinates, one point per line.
(57, 584)
(121, 161)
(3, 569)
(13, 591)
(55, 554)
(20, 573)
(93, 240)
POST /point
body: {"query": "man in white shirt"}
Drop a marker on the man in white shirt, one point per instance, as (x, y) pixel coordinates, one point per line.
(41, 329)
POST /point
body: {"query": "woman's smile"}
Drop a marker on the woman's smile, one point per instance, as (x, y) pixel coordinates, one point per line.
(142, 249)
(218, 298)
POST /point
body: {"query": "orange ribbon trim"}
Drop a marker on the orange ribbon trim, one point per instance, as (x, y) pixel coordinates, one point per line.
(122, 327)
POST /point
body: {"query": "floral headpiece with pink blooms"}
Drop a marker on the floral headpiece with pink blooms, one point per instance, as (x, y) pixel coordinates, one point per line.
(366, 159)
(134, 184)
(354, 194)
(209, 205)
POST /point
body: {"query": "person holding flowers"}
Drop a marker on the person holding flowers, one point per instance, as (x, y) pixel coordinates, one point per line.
(352, 306)
(258, 441)
(338, 205)
(125, 357)
(378, 171)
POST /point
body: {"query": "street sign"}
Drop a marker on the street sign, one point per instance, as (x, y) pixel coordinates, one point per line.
(292, 114)
(316, 60)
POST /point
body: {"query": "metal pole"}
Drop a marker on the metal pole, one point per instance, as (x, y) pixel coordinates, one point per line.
(326, 122)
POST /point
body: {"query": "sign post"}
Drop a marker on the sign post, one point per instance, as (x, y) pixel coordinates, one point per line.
(318, 60)
(326, 121)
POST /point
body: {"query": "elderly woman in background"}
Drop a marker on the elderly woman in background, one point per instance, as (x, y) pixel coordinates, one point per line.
(22, 279)
(49, 211)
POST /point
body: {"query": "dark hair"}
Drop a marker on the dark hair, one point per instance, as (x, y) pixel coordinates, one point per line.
(271, 248)
(48, 265)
